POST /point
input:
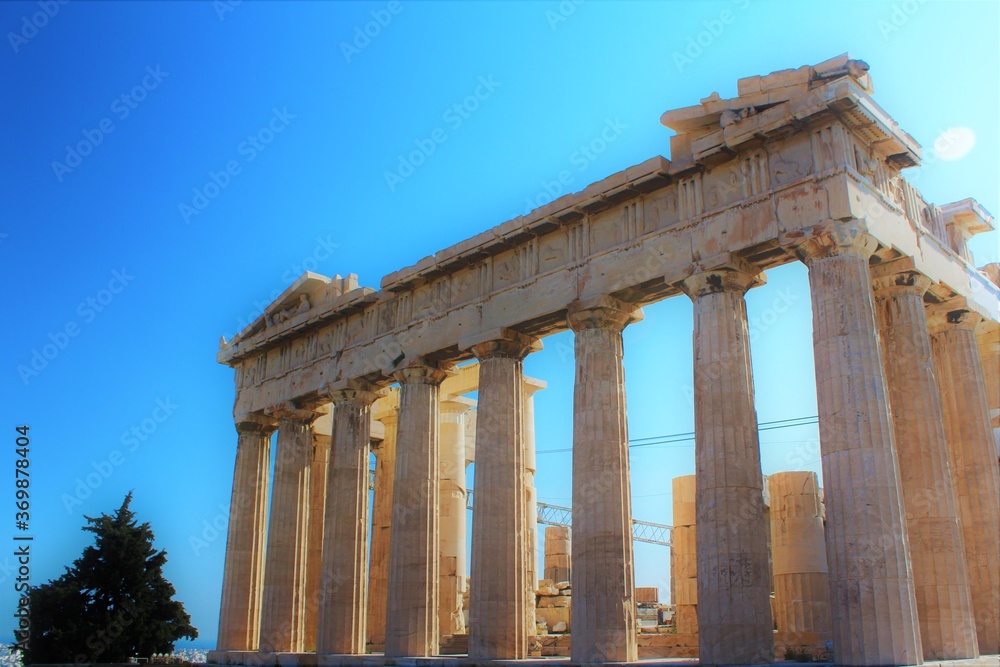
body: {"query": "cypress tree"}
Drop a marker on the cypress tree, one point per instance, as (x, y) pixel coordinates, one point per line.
(113, 603)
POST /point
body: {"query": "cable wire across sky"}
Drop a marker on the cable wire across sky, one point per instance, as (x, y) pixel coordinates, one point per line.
(674, 438)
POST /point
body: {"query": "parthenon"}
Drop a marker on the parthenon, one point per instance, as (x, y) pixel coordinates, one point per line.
(896, 561)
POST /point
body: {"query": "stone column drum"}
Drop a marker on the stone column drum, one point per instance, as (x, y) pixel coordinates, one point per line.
(322, 435)
(497, 605)
(344, 585)
(937, 547)
(558, 554)
(734, 607)
(411, 627)
(974, 463)
(604, 622)
(871, 583)
(684, 557)
(239, 619)
(282, 624)
(378, 577)
(798, 553)
(453, 541)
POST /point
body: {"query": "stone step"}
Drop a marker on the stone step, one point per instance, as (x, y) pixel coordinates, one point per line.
(455, 644)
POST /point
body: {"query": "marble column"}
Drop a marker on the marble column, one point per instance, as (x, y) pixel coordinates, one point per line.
(989, 355)
(973, 461)
(734, 607)
(378, 578)
(604, 612)
(282, 627)
(684, 557)
(937, 548)
(453, 541)
(531, 505)
(871, 582)
(239, 619)
(798, 551)
(343, 594)
(497, 607)
(412, 620)
(322, 433)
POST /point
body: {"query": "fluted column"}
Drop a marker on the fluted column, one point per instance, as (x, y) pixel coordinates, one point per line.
(412, 621)
(322, 432)
(937, 549)
(973, 459)
(239, 618)
(734, 608)
(343, 610)
(530, 468)
(871, 583)
(798, 549)
(989, 355)
(497, 606)
(604, 623)
(282, 627)
(378, 578)
(453, 533)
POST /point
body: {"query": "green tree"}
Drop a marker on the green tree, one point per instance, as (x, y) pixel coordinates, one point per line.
(111, 604)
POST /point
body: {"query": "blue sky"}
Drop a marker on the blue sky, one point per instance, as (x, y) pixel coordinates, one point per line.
(170, 167)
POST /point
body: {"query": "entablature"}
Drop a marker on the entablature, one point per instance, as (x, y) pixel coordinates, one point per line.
(632, 235)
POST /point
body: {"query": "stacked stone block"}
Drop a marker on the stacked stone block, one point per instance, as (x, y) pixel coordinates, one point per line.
(684, 559)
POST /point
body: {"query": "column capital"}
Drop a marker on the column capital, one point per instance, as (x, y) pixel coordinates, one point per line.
(356, 392)
(254, 423)
(421, 374)
(389, 418)
(500, 342)
(841, 238)
(386, 409)
(457, 405)
(533, 386)
(952, 315)
(727, 272)
(898, 276)
(602, 312)
(290, 411)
